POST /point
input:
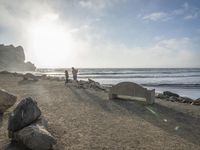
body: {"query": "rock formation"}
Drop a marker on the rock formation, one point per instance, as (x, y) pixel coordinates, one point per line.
(13, 59)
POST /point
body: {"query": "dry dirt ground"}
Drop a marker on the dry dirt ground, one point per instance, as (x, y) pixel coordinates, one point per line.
(86, 119)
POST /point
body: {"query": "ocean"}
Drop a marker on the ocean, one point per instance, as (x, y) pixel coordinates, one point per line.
(184, 81)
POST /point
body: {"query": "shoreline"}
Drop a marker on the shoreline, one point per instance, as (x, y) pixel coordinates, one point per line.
(84, 118)
(181, 91)
(183, 81)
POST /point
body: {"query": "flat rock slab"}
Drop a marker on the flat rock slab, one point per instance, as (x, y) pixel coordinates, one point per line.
(6, 100)
(35, 137)
(24, 114)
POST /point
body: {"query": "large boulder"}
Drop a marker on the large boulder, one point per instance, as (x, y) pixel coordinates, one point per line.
(35, 137)
(6, 100)
(169, 94)
(24, 114)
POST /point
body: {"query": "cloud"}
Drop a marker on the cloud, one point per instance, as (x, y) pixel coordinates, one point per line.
(191, 16)
(98, 4)
(185, 11)
(167, 53)
(157, 16)
(174, 52)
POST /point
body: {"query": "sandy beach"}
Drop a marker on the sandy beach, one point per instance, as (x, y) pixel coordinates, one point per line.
(86, 119)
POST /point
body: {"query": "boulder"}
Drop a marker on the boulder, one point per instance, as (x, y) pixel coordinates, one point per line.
(6, 100)
(196, 102)
(24, 114)
(40, 121)
(172, 98)
(35, 137)
(95, 85)
(187, 100)
(29, 76)
(161, 96)
(169, 94)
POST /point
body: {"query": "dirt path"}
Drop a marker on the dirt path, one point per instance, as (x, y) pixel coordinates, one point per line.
(86, 119)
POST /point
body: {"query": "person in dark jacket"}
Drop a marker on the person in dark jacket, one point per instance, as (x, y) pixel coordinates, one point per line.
(66, 77)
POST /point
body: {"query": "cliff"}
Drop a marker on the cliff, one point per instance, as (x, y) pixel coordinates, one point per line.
(13, 59)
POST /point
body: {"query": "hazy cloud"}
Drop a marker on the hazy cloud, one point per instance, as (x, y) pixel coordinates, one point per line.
(157, 16)
(185, 11)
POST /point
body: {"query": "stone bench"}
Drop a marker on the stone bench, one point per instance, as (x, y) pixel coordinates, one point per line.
(132, 89)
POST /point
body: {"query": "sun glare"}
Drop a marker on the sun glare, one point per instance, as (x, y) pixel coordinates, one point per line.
(50, 42)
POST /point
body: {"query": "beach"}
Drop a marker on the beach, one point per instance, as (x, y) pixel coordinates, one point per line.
(85, 119)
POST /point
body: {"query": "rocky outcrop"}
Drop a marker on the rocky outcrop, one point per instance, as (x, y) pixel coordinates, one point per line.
(6, 100)
(13, 59)
(27, 126)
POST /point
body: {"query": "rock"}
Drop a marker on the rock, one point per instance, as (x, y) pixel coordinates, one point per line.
(24, 114)
(6, 100)
(29, 76)
(13, 59)
(196, 102)
(187, 100)
(41, 121)
(169, 94)
(172, 98)
(95, 85)
(35, 137)
(161, 96)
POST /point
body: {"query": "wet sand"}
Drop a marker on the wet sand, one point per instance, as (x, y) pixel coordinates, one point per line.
(86, 119)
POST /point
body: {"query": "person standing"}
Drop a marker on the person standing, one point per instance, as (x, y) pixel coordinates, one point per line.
(74, 73)
(66, 77)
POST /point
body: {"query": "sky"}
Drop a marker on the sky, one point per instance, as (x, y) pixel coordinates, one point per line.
(104, 33)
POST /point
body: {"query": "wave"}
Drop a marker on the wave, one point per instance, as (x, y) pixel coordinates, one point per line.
(174, 85)
(136, 76)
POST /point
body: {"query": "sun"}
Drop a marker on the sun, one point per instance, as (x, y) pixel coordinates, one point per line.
(50, 42)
